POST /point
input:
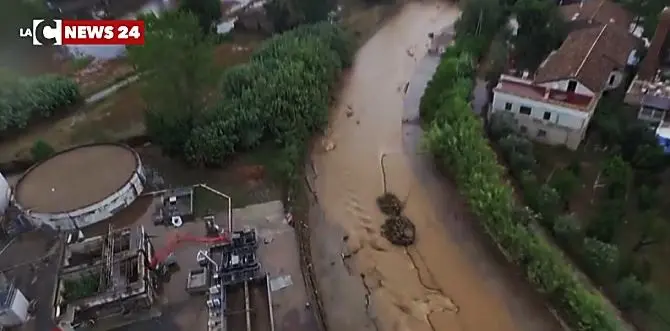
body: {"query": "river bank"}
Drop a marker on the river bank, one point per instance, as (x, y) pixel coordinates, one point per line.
(450, 279)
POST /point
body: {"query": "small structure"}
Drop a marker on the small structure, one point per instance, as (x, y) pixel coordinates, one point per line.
(80, 186)
(13, 304)
(104, 277)
(176, 207)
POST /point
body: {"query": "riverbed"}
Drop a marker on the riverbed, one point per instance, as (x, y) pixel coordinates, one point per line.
(451, 279)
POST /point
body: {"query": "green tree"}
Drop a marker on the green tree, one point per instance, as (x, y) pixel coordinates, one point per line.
(609, 217)
(288, 14)
(568, 229)
(617, 174)
(565, 183)
(630, 294)
(176, 62)
(541, 30)
(652, 230)
(480, 18)
(602, 259)
(501, 124)
(208, 12)
(280, 97)
(647, 197)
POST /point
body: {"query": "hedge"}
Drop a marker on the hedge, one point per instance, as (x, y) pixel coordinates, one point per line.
(456, 138)
(26, 99)
(282, 95)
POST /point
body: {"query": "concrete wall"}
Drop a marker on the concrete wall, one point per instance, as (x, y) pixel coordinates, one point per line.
(96, 212)
(563, 86)
(564, 126)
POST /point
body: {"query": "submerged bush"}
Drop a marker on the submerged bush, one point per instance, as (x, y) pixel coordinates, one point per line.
(390, 204)
(25, 99)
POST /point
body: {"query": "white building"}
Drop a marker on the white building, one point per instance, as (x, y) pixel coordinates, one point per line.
(556, 104)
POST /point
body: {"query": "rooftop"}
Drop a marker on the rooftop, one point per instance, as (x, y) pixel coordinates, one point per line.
(654, 92)
(588, 55)
(527, 89)
(598, 12)
(651, 63)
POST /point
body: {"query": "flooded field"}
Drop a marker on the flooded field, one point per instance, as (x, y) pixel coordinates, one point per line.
(451, 279)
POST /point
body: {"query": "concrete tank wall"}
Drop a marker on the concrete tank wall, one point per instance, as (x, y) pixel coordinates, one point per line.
(96, 212)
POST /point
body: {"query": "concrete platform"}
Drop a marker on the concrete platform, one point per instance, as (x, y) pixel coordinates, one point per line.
(278, 253)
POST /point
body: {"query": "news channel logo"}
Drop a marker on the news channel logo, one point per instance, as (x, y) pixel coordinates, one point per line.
(44, 32)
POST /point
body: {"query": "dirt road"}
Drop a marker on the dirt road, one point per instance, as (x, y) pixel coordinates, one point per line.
(450, 279)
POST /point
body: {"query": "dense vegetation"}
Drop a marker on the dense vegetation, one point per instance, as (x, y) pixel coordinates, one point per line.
(457, 139)
(280, 97)
(25, 99)
(590, 243)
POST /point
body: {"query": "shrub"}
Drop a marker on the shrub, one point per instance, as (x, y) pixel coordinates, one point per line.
(25, 99)
(41, 151)
(567, 229)
(630, 294)
(565, 183)
(601, 259)
(457, 142)
(501, 124)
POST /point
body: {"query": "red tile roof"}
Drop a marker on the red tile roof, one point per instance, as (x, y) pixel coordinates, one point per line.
(588, 55)
(598, 11)
(528, 90)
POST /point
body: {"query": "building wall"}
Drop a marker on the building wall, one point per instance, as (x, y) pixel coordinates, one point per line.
(563, 127)
(96, 212)
(650, 114)
(563, 86)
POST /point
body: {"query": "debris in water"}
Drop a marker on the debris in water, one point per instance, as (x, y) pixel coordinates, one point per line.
(328, 145)
(410, 52)
(399, 230)
(349, 112)
(390, 204)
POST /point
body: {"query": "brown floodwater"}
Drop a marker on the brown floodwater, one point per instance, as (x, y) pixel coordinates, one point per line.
(450, 279)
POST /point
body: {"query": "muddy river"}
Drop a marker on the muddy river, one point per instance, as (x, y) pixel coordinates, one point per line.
(451, 279)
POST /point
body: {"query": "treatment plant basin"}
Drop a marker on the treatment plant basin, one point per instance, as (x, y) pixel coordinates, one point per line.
(80, 186)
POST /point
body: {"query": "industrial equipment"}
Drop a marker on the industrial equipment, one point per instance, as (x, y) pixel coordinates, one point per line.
(160, 256)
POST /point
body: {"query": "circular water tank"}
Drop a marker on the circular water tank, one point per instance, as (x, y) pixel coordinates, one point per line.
(5, 194)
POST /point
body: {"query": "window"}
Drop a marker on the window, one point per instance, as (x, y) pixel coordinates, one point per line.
(658, 114)
(572, 86)
(525, 110)
(541, 133)
(523, 129)
(508, 106)
(547, 115)
(611, 82)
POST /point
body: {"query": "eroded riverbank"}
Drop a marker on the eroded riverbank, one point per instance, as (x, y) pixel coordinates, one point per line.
(449, 280)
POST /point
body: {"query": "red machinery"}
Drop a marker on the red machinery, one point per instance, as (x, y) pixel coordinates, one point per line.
(176, 238)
